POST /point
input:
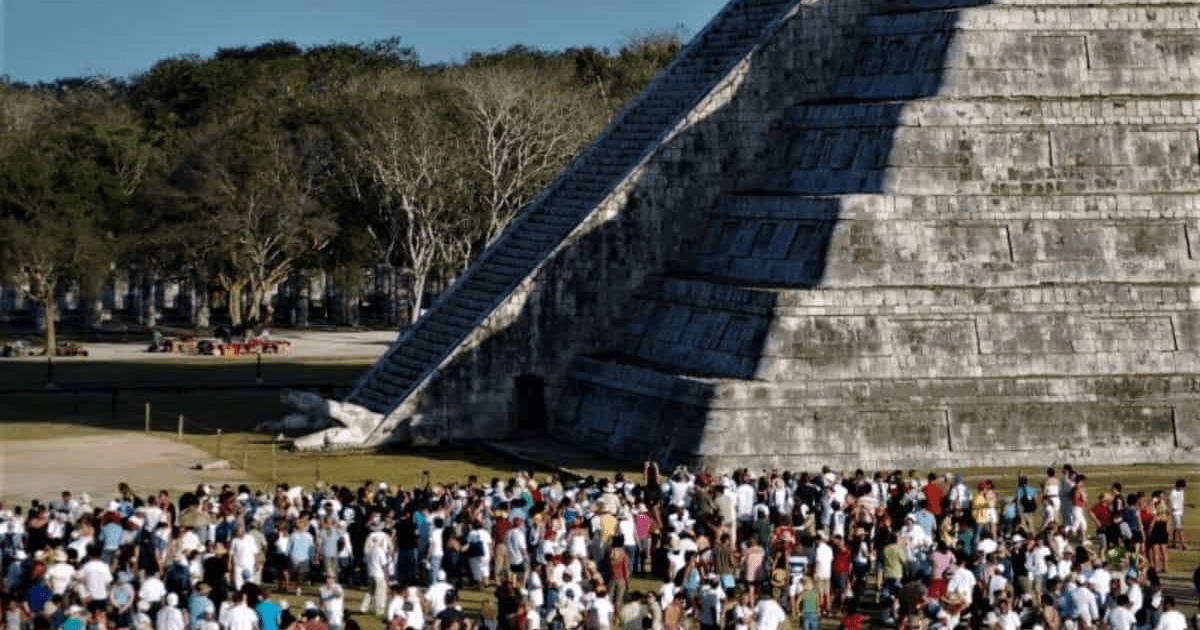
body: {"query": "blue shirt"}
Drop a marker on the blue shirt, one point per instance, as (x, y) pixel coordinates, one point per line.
(926, 520)
(268, 615)
(300, 546)
(197, 603)
(111, 533)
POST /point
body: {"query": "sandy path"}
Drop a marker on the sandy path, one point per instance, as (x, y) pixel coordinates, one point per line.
(306, 344)
(41, 469)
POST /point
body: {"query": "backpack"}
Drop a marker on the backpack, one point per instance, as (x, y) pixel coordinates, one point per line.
(475, 549)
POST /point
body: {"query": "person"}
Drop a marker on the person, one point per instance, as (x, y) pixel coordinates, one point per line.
(768, 614)
(169, 616)
(268, 611)
(333, 600)
(1051, 487)
(1177, 504)
(240, 616)
(1171, 618)
(244, 553)
(96, 577)
(1120, 617)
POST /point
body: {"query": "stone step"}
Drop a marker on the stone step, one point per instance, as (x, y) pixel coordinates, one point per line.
(991, 147)
(1098, 16)
(542, 226)
(1017, 112)
(1001, 180)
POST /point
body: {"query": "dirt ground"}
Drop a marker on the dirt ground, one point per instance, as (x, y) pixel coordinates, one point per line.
(306, 344)
(41, 469)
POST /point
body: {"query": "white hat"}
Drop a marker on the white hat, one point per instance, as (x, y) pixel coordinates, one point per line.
(172, 599)
(383, 485)
(75, 609)
(310, 605)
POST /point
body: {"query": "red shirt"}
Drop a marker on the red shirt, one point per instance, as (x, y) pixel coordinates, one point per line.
(618, 565)
(933, 498)
(841, 561)
(1102, 513)
(852, 622)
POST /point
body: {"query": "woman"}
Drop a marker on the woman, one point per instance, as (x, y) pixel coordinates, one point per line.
(1159, 535)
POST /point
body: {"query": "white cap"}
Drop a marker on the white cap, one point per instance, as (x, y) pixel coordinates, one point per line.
(172, 599)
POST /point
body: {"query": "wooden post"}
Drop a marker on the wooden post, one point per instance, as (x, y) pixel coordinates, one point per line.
(317, 469)
(274, 469)
(179, 434)
(245, 460)
(114, 404)
(218, 443)
(147, 416)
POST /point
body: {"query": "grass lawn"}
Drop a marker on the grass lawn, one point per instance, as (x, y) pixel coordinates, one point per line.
(63, 413)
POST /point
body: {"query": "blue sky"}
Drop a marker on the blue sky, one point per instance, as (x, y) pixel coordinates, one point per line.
(48, 39)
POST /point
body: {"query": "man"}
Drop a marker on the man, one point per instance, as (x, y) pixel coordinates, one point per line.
(300, 547)
(243, 556)
(515, 547)
(376, 552)
(268, 612)
(240, 616)
(59, 572)
(1087, 614)
(1171, 619)
(96, 578)
(894, 559)
(333, 600)
(1006, 618)
(933, 495)
(1121, 617)
(435, 595)
(169, 616)
(712, 598)
(768, 613)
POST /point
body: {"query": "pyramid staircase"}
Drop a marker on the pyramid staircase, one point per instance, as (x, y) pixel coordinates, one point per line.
(543, 225)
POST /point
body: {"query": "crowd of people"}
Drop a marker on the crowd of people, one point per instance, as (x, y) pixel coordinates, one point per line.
(738, 551)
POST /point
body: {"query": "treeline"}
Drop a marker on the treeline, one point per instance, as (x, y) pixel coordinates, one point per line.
(237, 171)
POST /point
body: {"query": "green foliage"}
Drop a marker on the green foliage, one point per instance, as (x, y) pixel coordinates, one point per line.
(256, 161)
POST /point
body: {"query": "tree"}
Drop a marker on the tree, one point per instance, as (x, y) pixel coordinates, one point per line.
(411, 161)
(57, 190)
(525, 126)
(262, 217)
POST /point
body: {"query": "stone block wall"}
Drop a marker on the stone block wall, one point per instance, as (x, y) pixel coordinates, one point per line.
(896, 234)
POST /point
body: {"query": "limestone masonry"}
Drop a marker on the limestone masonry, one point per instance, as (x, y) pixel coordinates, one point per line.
(857, 232)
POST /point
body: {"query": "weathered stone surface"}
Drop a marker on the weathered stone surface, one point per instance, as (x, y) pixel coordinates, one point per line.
(883, 233)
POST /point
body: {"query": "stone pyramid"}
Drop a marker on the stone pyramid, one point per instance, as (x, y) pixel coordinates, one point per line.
(854, 232)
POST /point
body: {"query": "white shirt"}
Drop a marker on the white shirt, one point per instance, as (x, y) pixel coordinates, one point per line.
(96, 579)
(169, 618)
(333, 601)
(241, 617)
(1120, 618)
(395, 608)
(1101, 581)
(436, 596)
(1177, 501)
(244, 549)
(152, 590)
(746, 497)
(1009, 621)
(58, 577)
(1171, 620)
(770, 615)
(823, 566)
(963, 583)
(604, 611)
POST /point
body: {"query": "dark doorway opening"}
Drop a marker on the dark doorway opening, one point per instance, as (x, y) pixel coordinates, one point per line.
(529, 398)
